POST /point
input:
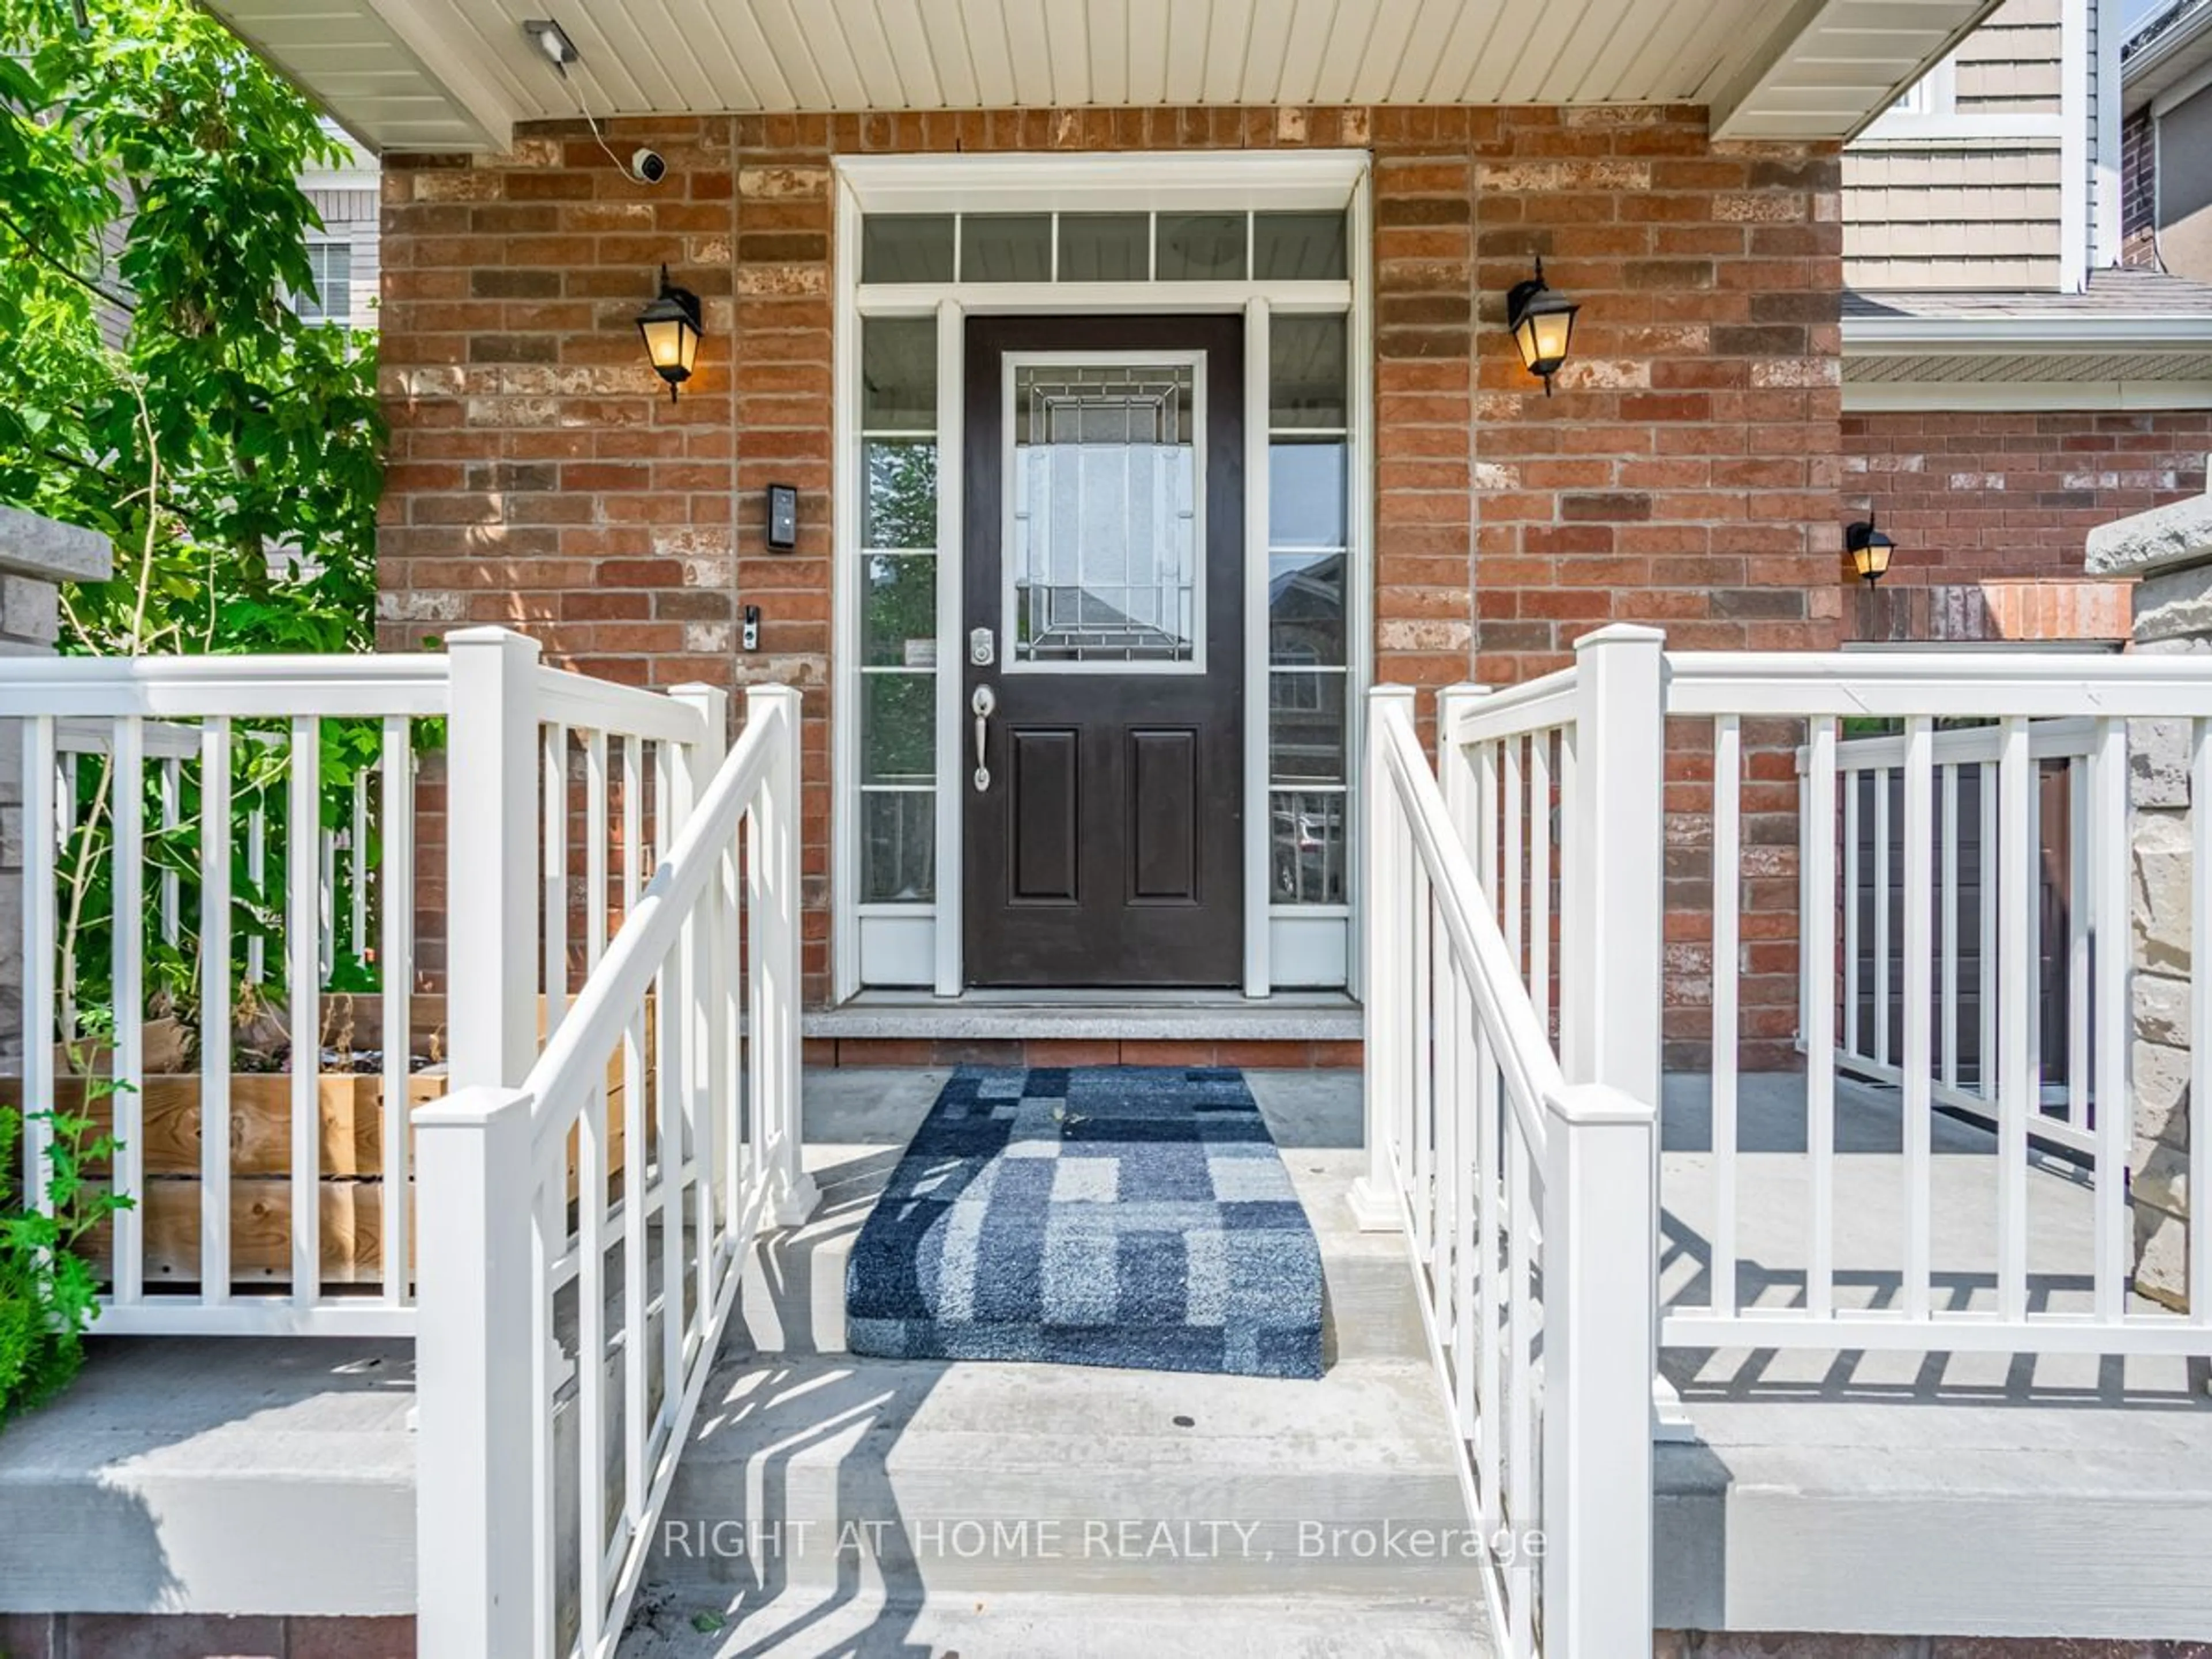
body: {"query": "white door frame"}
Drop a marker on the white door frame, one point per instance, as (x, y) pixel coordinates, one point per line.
(928, 938)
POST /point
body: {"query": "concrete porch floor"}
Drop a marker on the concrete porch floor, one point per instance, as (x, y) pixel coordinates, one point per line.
(1928, 1495)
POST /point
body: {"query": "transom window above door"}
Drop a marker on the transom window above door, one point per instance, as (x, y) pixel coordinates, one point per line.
(1103, 247)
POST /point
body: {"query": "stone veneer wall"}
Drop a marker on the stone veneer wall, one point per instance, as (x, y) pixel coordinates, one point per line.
(1685, 473)
(36, 554)
(2171, 550)
(1971, 496)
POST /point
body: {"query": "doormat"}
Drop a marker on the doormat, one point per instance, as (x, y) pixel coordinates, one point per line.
(1126, 1216)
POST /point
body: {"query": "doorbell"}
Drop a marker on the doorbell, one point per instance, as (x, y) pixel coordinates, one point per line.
(751, 635)
(782, 518)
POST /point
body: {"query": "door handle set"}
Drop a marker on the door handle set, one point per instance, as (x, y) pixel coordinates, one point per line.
(983, 704)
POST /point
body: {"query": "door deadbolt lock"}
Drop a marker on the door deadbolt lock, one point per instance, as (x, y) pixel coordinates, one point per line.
(982, 704)
(982, 648)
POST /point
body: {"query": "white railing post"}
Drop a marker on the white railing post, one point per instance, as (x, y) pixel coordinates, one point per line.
(773, 1004)
(1613, 965)
(1600, 1301)
(1454, 772)
(491, 857)
(1385, 1066)
(710, 1082)
(474, 1488)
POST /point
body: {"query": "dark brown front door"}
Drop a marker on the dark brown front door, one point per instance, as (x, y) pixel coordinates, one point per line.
(1104, 634)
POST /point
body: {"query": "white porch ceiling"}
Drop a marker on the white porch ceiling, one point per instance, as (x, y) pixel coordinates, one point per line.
(411, 75)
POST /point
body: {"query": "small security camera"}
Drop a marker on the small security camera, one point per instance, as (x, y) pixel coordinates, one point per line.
(648, 166)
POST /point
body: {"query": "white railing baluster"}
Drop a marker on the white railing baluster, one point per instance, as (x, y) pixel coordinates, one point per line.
(1728, 877)
(128, 1065)
(1515, 804)
(1521, 1427)
(1991, 879)
(1818, 926)
(357, 868)
(671, 804)
(1850, 781)
(2017, 864)
(1420, 1100)
(173, 808)
(1879, 777)
(553, 871)
(2200, 1017)
(2102, 835)
(256, 876)
(637, 1422)
(326, 887)
(214, 1011)
(302, 991)
(1540, 878)
(1571, 896)
(1388, 885)
(395, 903)
(1949, 972)
(2080, 911)
(41, 940)
(1919, 748)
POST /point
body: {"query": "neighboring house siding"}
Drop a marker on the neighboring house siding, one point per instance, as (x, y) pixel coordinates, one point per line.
(2010, 65)
(1929, 204)
(1972, 216)
(2184, 188)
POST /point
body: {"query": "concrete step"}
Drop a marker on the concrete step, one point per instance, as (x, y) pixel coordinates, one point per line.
(800, 1624)
(912, 1480)
(916, 1476)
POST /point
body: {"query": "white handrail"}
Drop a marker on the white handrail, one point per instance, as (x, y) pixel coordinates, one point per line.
(528, 1541)
(1527, 1206)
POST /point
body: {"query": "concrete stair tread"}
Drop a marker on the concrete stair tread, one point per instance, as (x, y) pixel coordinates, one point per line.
(1369, 1415)
(816, 1624)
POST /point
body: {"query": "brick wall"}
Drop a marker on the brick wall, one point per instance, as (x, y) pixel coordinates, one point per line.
(1685, 473)
(2139, 191)
(1972, 495)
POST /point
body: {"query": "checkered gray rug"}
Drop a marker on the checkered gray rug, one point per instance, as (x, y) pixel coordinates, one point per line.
(1094, 1216)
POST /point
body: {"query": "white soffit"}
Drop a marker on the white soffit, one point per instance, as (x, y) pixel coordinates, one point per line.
(412, 75)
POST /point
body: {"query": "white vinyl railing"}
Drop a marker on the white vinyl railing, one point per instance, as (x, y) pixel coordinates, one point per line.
(1994, 1245)
(1967, 887)
(185, 856)
(2015, 1238)
(569, 1318)
(1526, 1203)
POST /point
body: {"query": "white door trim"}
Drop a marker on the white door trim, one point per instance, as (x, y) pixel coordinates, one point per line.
(926, 939)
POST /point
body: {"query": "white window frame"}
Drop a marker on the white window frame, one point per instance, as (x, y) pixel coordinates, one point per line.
(922, 944)
(1928, 113)
(341, 318)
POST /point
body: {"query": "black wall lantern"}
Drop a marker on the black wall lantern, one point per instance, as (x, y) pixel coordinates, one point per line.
(1543, 323)
(1869, 547)
(671, 327)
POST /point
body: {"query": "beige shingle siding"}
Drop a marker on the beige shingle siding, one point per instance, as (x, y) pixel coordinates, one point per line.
(2010, 65)
(1980, 212)
(1972, 216)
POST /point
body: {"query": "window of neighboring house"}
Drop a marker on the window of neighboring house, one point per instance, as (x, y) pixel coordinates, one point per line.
(331, 300)
(1936, 93)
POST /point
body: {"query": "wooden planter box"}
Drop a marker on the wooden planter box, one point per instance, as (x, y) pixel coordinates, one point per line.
(351, 1107)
